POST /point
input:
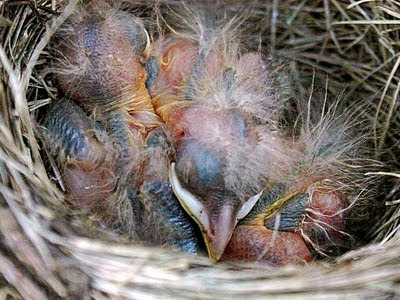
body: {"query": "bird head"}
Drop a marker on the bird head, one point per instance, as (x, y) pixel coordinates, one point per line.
(98, 58)
(214, 152)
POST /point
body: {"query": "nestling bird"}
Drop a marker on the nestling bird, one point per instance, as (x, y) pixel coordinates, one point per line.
(153, 136)
(221, 104)
(216, 103)
(112, 147)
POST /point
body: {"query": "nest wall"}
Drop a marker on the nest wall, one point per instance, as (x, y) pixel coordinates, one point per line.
(346, 49)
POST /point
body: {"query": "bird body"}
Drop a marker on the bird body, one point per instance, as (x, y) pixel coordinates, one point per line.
(103, 80)
(207, 97)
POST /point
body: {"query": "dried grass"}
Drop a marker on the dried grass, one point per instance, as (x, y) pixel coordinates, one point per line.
(47, 253)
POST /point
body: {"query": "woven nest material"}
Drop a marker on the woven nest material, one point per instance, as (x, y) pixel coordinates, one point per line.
(47, 253)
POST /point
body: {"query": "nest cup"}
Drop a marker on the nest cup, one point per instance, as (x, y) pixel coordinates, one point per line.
(336, 49)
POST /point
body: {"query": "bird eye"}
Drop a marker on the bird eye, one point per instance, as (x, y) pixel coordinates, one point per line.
(190, 202)
(248, 205)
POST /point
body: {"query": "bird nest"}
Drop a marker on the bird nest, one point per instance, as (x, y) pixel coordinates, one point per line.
(49, 252)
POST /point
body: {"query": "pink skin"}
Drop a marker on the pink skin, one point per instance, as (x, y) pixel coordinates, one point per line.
(264, 246)
(325, 219)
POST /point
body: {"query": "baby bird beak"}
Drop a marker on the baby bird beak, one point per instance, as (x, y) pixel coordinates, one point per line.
(217, 218)
(219, 231)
